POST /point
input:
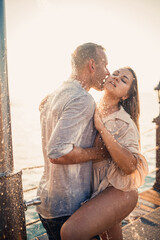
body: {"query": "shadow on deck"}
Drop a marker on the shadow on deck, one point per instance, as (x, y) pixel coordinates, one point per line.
(143, 223)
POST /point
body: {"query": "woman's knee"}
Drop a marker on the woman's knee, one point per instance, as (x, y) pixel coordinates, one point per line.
(66, 232)
(130, 201)
(70, 231)
(124, 203)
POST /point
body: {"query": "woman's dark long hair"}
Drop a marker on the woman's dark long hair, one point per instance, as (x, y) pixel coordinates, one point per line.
(131, 104)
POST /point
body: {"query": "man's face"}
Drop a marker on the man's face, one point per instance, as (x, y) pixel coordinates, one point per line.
(101, 71)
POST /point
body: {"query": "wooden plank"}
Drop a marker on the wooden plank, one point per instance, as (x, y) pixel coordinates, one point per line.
(146, 203)
(146, 208)
(151, 196)
(146, 227)
(151, 192)
(41, 237)
(154, 216)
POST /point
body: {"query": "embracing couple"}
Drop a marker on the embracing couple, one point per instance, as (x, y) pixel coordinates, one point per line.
(92, 160)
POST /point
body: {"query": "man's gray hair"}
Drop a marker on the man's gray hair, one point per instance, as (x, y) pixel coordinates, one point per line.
(85, 52)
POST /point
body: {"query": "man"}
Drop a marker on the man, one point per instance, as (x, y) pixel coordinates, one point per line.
(67, 121)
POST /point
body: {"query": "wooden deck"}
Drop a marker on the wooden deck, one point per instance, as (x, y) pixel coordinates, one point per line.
(143, 223)
(148, 201)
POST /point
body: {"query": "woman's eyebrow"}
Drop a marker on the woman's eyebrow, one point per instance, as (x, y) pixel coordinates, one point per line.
(125, 77)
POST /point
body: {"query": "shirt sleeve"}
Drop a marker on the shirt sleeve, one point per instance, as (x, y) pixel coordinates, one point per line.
(124, 182)
(73, 120)
(128, 136)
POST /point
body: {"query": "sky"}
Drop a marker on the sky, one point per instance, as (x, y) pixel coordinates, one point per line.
(42, 34)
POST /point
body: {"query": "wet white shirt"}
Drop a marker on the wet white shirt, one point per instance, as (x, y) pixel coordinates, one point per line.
(66, 121)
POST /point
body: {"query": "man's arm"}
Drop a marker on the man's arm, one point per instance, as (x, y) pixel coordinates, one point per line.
(80, 155)
(72, 123)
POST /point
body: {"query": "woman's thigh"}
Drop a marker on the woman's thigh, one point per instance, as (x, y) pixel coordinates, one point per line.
(99, 214)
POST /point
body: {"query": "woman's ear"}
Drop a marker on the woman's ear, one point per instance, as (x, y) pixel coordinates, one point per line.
(124, 98)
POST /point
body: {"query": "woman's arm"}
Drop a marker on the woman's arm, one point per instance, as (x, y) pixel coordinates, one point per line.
(120, 155)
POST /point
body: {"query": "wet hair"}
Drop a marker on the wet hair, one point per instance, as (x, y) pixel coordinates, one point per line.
(85, 52)
(131, 104)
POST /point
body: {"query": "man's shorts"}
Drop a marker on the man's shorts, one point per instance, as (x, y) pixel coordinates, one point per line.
(53, 227)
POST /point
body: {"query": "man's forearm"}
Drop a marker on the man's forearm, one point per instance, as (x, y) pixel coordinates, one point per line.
(79, 155)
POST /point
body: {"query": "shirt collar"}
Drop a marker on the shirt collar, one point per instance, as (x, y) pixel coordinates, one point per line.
(120, 114)
(77, 83)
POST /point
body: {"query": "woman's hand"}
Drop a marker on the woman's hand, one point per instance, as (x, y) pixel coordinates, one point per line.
(98, 120)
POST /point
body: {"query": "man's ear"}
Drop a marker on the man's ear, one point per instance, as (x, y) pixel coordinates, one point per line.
(92, 65)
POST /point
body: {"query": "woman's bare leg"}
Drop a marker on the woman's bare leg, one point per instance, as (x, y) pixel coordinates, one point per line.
(99, 214)
(115, 232)
(104, 236)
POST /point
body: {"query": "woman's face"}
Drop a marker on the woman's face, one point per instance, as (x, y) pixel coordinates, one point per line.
(119, 83)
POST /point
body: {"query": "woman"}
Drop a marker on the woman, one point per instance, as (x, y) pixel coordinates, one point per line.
(117, 178)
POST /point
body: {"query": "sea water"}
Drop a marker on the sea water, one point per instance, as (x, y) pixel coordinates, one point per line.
(27, 152)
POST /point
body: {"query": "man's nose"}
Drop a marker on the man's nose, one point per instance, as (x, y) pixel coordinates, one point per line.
(108, 72)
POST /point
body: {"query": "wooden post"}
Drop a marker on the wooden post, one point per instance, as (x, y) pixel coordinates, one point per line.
(156, 185)
(12, 217)
(6, 154)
